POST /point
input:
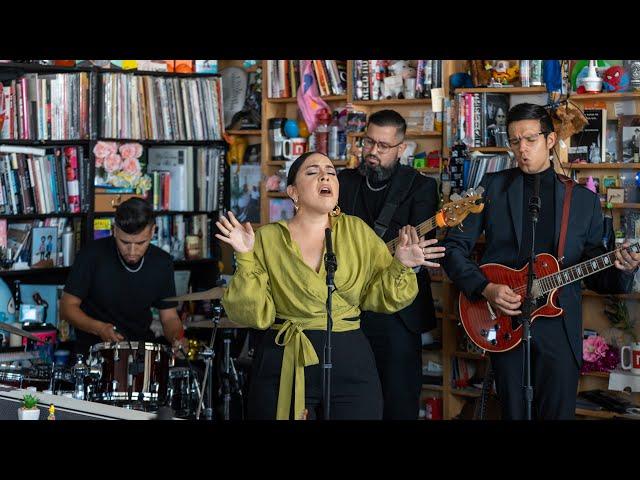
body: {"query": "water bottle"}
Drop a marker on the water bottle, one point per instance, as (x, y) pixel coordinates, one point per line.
(333, 138)
(68, 249)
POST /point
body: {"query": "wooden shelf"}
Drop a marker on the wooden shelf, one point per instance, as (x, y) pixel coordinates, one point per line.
(152, 143)
(408, 134)
(45, 143)
(37, 216)
(162, 212)
(596, 413)
(429, 170)
(464, 392)
(33, 271)
(277, 195)
(434, 388)
(601, 166)
(470, 355)
(327, 98)
(393, 101)
(605, 96)
(280, 163)
(516, 90)
(628, 296)
(244, 132)
(595, 374)
(490, 149)
(34, 67)
(618, 206)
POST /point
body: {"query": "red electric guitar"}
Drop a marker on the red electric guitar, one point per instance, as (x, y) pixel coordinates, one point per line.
(450, 215)
(494, 332)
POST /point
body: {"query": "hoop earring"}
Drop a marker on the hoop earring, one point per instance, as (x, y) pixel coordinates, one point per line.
(336, 211)
(295, 205)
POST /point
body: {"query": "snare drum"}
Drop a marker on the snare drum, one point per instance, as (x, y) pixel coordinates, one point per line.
(131, 372)
(182, 394)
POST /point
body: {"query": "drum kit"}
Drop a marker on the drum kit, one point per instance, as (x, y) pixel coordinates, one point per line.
(131, 374)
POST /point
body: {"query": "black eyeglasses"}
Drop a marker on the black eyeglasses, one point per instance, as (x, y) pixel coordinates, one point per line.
(530, 139)
(368, 143)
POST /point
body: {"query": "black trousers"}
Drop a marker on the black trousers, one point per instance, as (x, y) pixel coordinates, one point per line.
(554, 374)
(355, 388)
(398, 353)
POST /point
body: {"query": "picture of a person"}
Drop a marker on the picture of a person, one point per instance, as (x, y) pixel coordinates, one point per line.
(49, 247)
(41, 248)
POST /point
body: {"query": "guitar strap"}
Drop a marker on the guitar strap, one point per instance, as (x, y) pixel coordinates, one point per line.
(568, 189)
(399, 189)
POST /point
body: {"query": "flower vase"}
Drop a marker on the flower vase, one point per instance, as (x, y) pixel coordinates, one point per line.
(28, 413)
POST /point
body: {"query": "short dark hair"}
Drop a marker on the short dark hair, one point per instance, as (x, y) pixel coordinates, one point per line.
(389, 118)
(134, 215)
(295, 166)
(530, 111)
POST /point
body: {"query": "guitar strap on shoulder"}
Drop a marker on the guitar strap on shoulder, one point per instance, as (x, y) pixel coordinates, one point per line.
(399, 189)
(568, 188)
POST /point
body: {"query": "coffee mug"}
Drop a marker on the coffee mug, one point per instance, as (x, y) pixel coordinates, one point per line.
(293, 147)
(634, 360)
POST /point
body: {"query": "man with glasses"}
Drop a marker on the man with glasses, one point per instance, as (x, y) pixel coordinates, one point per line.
(387, 196)
(556, 344)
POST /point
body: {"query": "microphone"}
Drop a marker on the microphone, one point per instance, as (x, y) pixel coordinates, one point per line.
(330, 263)
(534, 201)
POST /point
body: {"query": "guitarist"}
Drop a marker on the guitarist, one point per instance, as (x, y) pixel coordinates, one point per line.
(556, 344)
(387, 195)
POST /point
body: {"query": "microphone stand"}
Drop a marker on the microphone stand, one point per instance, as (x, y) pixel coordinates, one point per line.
(331, 265)
(208, 354)
(527, 307)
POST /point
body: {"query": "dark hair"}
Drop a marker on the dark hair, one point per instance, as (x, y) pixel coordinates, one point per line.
(389, 118)
(295, 166)
(134, 215)
(530, 111)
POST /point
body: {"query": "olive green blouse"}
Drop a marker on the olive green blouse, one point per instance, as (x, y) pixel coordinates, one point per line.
(273, 281)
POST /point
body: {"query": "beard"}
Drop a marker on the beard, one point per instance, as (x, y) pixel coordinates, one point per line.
(377, 173)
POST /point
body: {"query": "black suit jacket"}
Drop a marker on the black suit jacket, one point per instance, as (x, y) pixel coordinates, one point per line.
(501, 220)
(420, 203)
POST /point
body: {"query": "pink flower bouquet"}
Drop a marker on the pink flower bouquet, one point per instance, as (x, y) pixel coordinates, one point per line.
(598, 356)
(118, 166)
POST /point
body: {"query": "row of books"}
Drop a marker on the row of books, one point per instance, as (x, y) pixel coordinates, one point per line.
(182, 236)
(466, 171)
(187, 178)
(481, 119)
(463, 373)
(285, 77)
(375, 80)
(36, 241)
(45, 107)
(43, 181)
(159, 108)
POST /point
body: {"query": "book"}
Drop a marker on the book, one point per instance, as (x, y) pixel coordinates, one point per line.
(101, 228)
(245, 193)
(590, 145)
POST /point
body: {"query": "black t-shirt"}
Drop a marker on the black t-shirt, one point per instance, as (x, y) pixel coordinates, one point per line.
(112, 294)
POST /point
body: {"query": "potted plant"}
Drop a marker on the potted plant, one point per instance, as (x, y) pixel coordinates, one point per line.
(29, 409)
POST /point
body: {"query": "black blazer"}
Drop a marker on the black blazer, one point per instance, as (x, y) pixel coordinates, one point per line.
(501, 220)
(419, 204)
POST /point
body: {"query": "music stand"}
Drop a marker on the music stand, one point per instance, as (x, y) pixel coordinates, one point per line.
(208, 355)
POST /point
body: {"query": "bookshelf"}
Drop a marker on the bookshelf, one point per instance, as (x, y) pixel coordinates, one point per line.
(95, 118)
(593, 303)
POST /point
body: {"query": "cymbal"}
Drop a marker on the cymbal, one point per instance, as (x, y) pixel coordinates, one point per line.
(7, 327)
(213, 294)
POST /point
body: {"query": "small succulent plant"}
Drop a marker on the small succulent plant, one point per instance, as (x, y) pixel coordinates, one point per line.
(29, 402)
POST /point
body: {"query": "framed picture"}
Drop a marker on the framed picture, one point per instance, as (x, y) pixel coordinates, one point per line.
(629, 138)
(615, 195)
(44, 245)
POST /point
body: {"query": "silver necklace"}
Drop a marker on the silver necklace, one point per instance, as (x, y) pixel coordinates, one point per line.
(375, 189)
(125, 265)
